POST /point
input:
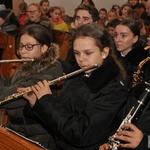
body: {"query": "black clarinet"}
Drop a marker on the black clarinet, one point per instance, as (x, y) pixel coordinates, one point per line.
(133, 114)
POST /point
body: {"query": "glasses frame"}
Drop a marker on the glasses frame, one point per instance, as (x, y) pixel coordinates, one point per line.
(33, 11)
(21, 46)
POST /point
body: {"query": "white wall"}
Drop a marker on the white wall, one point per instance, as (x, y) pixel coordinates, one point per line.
(70, 5)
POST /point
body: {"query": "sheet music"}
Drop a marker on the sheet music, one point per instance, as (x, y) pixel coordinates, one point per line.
(35, 142)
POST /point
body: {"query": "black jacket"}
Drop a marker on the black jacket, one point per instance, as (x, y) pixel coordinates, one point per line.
(131, 62)
(82, 116)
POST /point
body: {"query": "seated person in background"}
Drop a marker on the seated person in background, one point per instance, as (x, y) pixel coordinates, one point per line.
(111, 26)
(83, 14)
(112, 14)
(36, 16)
(117, 8)
(81, 117)
(130, 50)
(133, 3)
(141, 9)
(34, 42)
(111, 30)
(102, 16)
(133, 15)
(143, 36)
(22, 13)
(56, 20)
(45, 6)
(65, 17)
(8, 22)
(123, 11)
(87, 2)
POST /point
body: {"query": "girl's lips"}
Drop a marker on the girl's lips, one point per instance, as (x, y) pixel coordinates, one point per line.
(118, 45)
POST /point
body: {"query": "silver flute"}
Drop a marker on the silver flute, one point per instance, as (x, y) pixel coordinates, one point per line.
(131, 116)
(16, 60)
(29, 89)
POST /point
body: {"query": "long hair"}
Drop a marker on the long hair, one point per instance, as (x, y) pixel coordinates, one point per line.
(43, 37)
(102, 40)
(134, 27)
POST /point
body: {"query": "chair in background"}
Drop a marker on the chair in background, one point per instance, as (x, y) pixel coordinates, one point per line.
(7, 45)
(62, 39)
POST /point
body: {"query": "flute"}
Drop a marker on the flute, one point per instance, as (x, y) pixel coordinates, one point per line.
(29, 89)
(16, 60)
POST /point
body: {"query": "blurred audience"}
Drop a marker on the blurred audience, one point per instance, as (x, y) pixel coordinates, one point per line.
(102, 16)
(22, 12)
(56, 20)
(45, 6)
(37, 16)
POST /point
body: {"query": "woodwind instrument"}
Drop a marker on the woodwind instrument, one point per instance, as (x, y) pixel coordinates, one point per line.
(132, 115)
(137, 76)
(29, 89)
(16, 60)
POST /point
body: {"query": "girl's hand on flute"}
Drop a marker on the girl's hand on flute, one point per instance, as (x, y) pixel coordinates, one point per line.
(31, 97)
(41, 88)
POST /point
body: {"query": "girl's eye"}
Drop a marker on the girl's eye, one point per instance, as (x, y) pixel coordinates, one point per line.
(115, 35)
(88, 53)
(76, 53)
(124, 35)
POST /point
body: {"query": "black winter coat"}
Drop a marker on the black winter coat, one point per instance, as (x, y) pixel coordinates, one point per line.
(82, 116)
(131, 62)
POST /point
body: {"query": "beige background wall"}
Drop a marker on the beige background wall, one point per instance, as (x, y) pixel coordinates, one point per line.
(70, 5)
(15, 5)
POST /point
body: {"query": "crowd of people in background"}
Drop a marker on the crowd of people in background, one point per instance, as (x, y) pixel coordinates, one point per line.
(91, 106)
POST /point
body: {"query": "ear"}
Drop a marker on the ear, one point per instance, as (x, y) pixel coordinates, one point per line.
(44, 48)
(135, 39)
(105, 52)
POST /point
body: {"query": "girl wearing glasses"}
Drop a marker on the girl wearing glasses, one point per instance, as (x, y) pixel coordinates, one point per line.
(82, 116)
(36, 15)
(34, 42)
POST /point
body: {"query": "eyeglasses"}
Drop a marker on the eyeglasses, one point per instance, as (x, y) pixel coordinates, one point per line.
(28, 47)
(32, 12)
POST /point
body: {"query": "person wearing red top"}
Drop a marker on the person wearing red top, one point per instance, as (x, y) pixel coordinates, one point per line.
(22, 9)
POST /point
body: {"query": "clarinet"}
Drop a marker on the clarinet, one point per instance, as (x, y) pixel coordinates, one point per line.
(133, 114)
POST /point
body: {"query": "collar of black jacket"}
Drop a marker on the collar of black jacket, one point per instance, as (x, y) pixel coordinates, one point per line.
(103, 75)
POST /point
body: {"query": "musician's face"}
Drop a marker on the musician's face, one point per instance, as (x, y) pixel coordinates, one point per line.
(37, 50)
(87, 53)
(124, 39)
